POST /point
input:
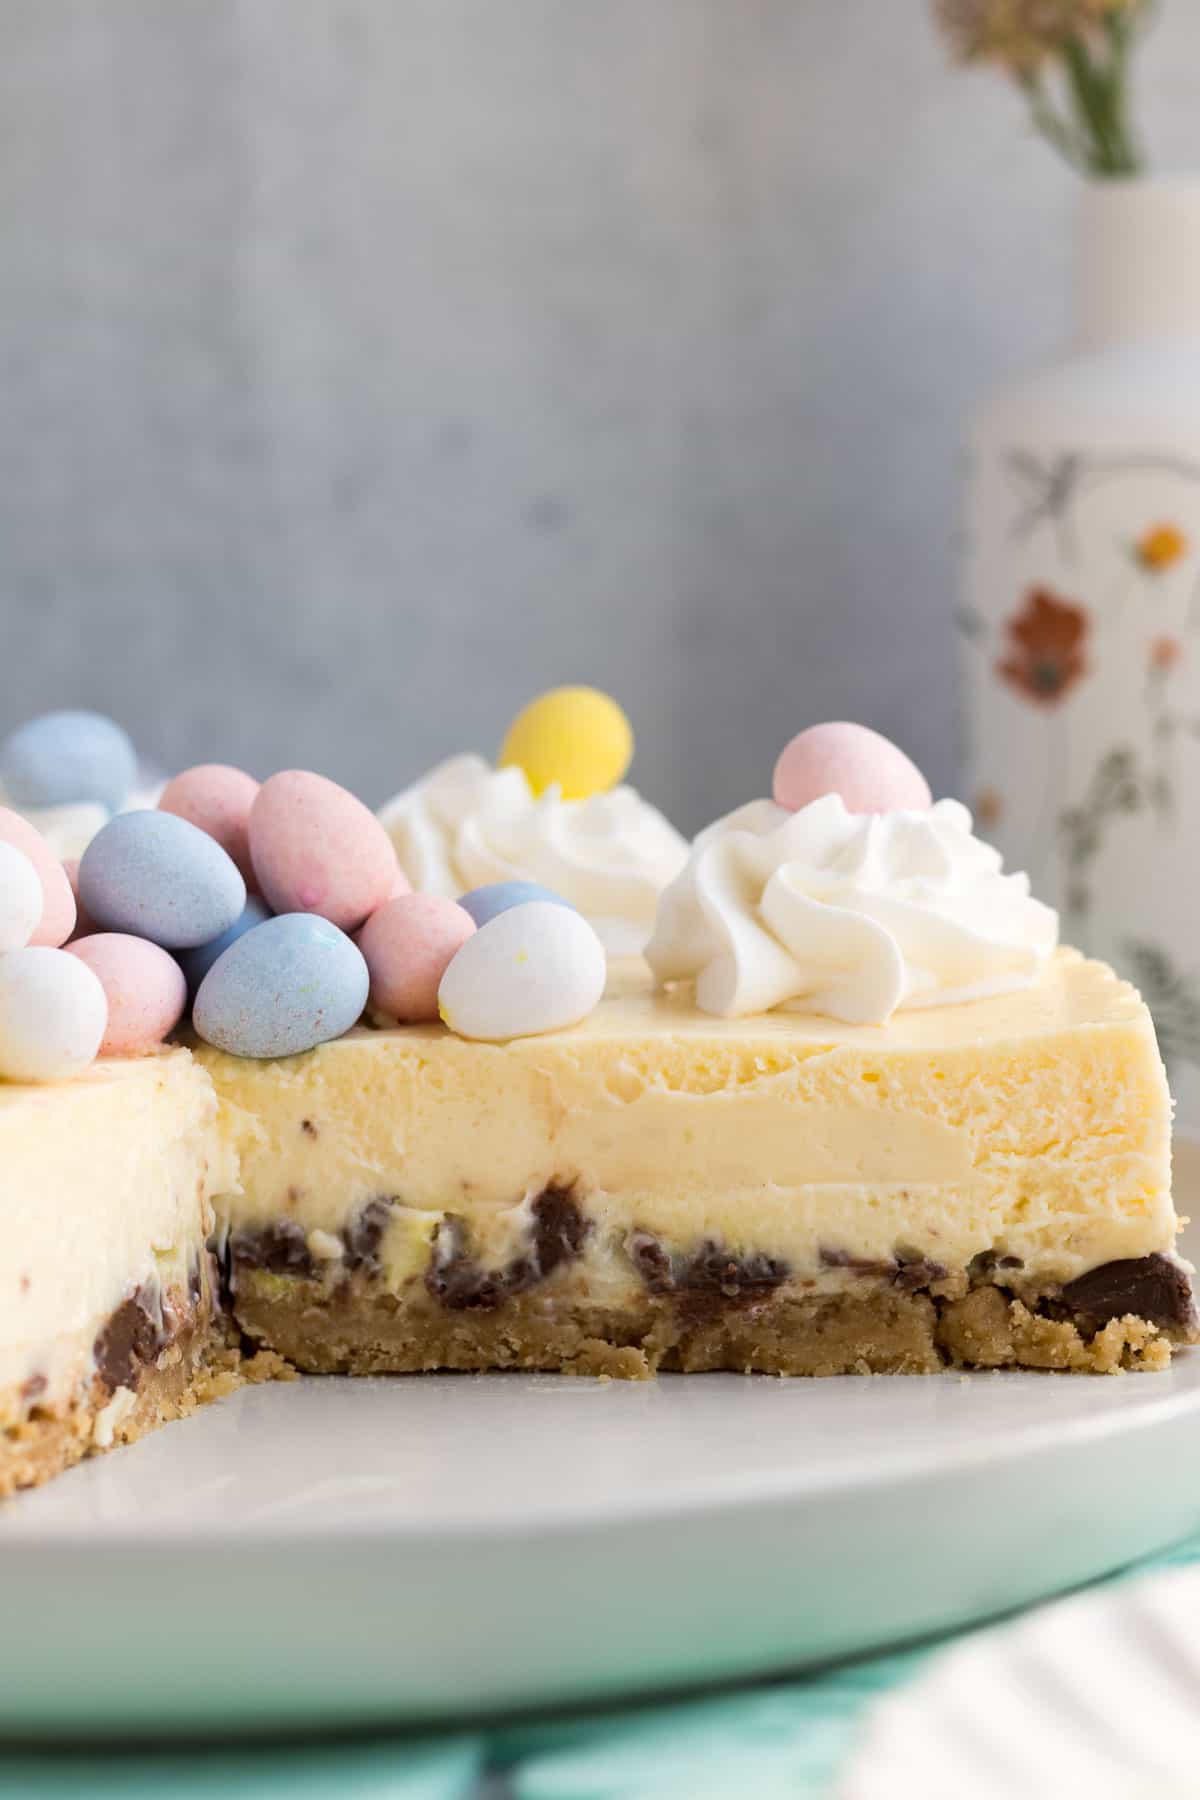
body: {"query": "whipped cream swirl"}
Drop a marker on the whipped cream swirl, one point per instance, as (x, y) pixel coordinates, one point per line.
(848, 914)
(467, 824)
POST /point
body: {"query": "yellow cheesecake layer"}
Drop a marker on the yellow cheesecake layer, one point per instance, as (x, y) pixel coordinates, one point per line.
(107, 1185)
(1035, 1125)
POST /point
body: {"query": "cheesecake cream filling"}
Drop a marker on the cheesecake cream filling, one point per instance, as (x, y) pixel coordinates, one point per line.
(106, 1186)
(1034, 1125)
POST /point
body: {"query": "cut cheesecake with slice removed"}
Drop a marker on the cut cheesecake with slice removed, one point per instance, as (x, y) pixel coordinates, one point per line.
(980, 1184)
(853, 1112)
(107, 1286)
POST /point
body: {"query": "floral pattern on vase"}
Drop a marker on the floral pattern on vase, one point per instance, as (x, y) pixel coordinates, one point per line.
(1082, 647)
(1044, 656)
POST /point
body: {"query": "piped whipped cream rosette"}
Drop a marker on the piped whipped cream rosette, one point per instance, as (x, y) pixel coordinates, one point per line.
(849, 914)
(467, 824)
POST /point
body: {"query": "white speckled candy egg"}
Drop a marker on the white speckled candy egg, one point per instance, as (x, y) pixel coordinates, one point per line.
(58, 902)
(21, 899)
(144, 987)
(533, 968)
(318, 849)
(156, 876)
(52, 1015)
(284, 987)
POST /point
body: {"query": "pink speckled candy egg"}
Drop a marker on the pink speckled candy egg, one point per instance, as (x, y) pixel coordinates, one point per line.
(58, 911)
(317, 849)
(218, 799)
(144, 987)
(84, 922)
(871, 774)
(408, 945)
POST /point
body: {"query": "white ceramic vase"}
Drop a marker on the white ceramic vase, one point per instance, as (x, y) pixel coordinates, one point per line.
(1082, 615)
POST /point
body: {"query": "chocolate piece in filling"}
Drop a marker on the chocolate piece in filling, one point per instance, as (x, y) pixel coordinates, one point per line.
(908, 1269)
(1154, 1287)
(281, 1248)
(364, 1234)
(133, 1337)
(711, 1278)
(558, 1230)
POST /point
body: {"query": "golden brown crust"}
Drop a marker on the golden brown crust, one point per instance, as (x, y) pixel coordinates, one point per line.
(201, 1363)
(879, 1331)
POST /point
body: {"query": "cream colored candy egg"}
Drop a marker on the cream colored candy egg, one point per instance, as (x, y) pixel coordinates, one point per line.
(533, 968)
(21, 899)
(574, 736)
(53, 1015)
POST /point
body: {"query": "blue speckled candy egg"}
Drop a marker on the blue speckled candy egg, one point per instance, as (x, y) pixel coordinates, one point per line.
(64, 758)
(156, 876)
(483, 903)
(196, 963)
(284, 987)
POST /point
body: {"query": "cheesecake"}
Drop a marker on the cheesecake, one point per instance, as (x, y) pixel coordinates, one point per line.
(108, 1287)
(983, 1184)
(845, 1106)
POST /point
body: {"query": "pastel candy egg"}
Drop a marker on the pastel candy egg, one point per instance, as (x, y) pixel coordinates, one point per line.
(20, 898)
(196, 963)
(408, 945)
(483, 903)
(84, 923)
(282, 988)
(217, 799)
(871, 774)
(537, 967)
(68, 757)
(58, 902)
(159, 877)
(52, 1015)
(575, 736)
(317, 849)
(144, 988)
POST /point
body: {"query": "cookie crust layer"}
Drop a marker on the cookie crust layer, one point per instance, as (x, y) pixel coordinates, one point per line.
(145, 1376)
(893, 1333)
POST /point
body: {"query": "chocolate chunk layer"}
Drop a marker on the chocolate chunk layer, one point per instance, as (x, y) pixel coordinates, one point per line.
(280, 1247)
(1156, 1288)
(908, 1269)
(133, 1337)
(364, 1234)
(710, 1278)
(558, 1231)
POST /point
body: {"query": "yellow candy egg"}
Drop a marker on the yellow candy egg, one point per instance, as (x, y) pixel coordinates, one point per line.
(575, 736)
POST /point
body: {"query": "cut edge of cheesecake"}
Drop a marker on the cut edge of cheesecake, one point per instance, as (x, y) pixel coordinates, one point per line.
(973, 1186)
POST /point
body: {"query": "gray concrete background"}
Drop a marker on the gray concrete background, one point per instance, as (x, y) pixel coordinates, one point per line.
(367, 365)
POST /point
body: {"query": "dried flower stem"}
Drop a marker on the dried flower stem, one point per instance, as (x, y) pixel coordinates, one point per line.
(1071, 59)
